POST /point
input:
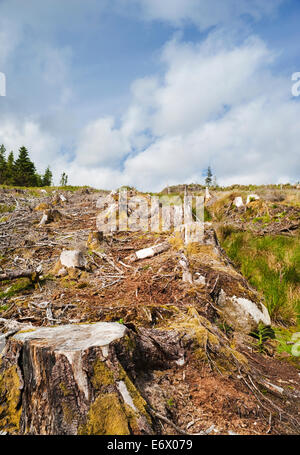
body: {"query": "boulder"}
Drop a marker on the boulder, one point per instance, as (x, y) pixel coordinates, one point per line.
(72, 258)
(241, 313)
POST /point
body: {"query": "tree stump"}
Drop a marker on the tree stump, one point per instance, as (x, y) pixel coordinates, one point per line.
(69, 380)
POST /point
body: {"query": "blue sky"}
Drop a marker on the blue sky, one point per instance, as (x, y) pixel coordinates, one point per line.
(149, 93)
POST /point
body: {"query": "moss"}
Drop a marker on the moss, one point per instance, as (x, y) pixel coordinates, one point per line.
(10, 393)
(4, 208)
(41, 207)
(137, 399)
(68, 413)
(205, 342)
(26, 331)
(106, 416)
(56, 268)
(102, 375)
(20, 285)
(64, 389)
(129, 342)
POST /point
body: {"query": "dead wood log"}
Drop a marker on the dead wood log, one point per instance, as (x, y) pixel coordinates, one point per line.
(32, 274)
(149, 252)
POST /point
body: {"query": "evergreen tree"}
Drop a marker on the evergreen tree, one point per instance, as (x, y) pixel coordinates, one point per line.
(24, 170)
(10, 174)
(63, 179)
(209, 175)
(3, 165)
(47, 178)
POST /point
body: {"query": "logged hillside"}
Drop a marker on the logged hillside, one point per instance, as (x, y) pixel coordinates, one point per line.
(148, 332)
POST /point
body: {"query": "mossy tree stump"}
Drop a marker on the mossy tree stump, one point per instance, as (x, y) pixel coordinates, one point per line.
(69, 380)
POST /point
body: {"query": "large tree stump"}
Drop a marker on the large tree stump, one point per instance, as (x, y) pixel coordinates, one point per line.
(68, 380)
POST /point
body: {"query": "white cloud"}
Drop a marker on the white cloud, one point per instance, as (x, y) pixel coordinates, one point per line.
(42, 146)
(101, 144)
(217, 104)
(203, 13)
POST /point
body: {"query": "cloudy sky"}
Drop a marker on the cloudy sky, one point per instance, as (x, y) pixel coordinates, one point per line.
(151, 92)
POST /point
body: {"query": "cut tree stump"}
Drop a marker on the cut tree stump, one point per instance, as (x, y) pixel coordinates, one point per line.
(75, 379)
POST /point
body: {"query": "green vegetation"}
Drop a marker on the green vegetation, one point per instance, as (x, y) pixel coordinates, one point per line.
(63, 179)
(208, 179)
(20, 285)
(272, 265)
(262, 334)
(4, 208)
(22, 171)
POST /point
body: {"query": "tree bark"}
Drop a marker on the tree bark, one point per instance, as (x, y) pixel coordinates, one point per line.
(78, 379)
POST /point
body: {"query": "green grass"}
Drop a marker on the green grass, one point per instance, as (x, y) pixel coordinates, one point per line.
(272, 265)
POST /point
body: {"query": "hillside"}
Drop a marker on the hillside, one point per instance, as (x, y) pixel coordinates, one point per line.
(204, 333)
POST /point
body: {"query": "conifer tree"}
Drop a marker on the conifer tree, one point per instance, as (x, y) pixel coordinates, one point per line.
(208, 179)
(3, 165)
(47, 178)
(10, 175)
(24, 170)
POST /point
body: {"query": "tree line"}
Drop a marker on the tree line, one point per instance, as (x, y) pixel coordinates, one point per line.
(21, 171)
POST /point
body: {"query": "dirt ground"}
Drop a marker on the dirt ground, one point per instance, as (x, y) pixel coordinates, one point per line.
(149, 293)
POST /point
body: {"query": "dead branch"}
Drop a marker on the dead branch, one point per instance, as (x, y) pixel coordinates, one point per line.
(32, 274)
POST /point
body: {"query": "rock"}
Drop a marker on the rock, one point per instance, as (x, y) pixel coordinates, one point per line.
(241, 313)
(72, 258)
(62, 272)
(252, 197)
(238, 202)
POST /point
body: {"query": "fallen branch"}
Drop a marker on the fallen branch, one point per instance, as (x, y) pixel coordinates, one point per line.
(32, 274)
(107, 259)
(148, 252)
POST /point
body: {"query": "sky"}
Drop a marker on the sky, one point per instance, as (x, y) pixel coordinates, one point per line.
(149, 93)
